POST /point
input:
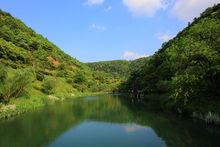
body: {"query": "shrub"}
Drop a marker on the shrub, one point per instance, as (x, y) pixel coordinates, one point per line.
(49, 86)
(80, 78)
(17, 85)
(184, 88)
(61, 73)
(80, 87)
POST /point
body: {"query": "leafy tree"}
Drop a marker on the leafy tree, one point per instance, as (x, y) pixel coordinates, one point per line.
(80, 78)
(15, 86)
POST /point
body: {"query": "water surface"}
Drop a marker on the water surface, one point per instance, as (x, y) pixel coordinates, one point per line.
(104, 121)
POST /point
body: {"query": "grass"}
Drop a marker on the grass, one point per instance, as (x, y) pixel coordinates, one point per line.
(23, 105)
(34, 98)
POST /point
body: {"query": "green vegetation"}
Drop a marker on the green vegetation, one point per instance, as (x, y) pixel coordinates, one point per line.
(15, 86)
(115, 68)
(183, 76)
(49, 85)
(186, 70)
(109, 74)
(32, 69)
(21, 47)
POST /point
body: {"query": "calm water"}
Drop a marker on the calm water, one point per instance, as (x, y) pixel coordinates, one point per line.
(104, 121)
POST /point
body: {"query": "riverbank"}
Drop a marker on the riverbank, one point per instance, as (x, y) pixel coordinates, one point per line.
(35, 94)
(24, 105)
(208, 113)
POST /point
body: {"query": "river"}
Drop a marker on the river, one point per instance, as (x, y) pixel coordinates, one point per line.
(104, 121)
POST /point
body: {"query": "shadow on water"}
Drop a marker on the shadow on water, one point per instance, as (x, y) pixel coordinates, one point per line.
(108, 120)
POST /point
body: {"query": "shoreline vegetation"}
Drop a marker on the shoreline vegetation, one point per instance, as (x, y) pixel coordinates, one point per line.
(23, 105)
(154, 100)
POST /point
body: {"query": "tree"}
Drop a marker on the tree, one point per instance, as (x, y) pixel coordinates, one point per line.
(80, 78)
(15, 86)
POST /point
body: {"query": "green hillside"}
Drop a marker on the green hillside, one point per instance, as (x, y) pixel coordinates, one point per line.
(31, 68)
(110, 73)
(186, 69)
(115, 67)
(119, 70)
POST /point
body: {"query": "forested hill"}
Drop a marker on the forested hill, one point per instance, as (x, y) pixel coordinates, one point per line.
(37, 67)
(118, 68)
(186, 69)
(20, 46)
(115, 67)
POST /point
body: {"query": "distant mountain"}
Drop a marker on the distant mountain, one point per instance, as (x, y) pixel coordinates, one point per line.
(115, 67)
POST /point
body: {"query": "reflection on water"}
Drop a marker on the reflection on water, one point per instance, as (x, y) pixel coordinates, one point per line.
(103, 121)
(100, 134)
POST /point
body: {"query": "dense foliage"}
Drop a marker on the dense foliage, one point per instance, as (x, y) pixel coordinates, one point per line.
(15, 86)
(22, 48)
(49, 85)
(186, 69)
(109, 74)
(116, 67)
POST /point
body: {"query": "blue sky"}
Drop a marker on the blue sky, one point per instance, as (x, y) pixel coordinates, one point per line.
(98, 30)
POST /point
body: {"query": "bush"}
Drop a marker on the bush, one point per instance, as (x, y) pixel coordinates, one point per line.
(61, 73)
(80, 87)
(80, 78)
(16, 86)
(185, 89)
(49, 85)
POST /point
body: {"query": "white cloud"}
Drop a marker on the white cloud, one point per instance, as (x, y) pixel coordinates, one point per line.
(131, 128)
(97, 27)
(109, 8)
(129, 55)
(145, 7)
(189, 9)
(163, 36)
(94, 2)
